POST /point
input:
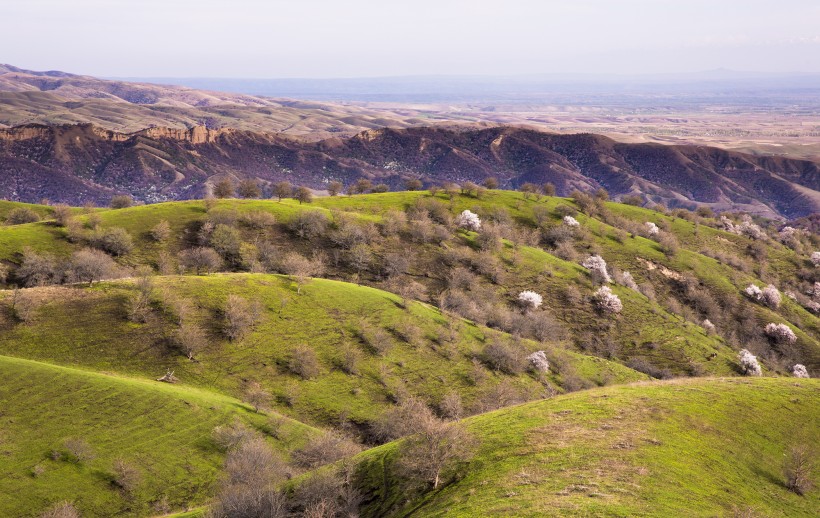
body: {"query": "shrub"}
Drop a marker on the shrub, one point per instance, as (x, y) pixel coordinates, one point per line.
(63, 214)
(122, 201)
(606, 301)
(571, 222)
(300, 268)
(451, 406)
(799, 371)
(200, 260)
(61, 510)
(303, 362)
(224, 188)
(24, 306)
(749, 364)
(597, 269)
(468, 220)
(240, 316)
(326, 448)
(780, 333)
(36, 269)
(539, 361)
(21, 215)
(303, 195)
(114, 240)
(249, 188)
(504, 357)
(798, 470)
(228, 437)
(90, 265)
(530, 299)
(161, 231)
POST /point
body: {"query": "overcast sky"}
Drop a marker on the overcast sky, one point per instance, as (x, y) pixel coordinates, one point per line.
(366, 38)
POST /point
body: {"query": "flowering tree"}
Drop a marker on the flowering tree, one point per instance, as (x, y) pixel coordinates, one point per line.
(780, 333)
(530, 299)
(652, 229)
(538, 359)
(597, 269)
(571, 222)
(607, 301)
(749, 364)
(770, 297)
(753, 292)
(708, 326)
(799, 371)
(815, 258)
(468, 220)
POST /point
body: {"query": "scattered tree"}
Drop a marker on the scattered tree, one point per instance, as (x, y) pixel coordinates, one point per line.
(190, 338)
(282, 190)
(780, 333)
(21, 216)
(436, 448)
(122, 201)
(89, 265)
(304, 195)
(468, 220)
(606, 301)
(799, 371)
(334, 188)
(249, 188)
(223, 188)
(114, 240)
(304, 362)
(61, 510)
(256, 396)
(748, 363)
(161, 231)
(413, 184)
(798, 470)
(240, 316)
(200, 260)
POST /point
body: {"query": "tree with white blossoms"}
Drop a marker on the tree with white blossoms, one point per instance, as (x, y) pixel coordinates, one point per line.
(571, 222)
(799, 371)
(468, 220)
(538, 360)
(815, 258)
(607, 301)
(597, 269)
(708, 326)
(753, 292)
(780, 333)
(768, 295)
(530, 299)
(652, 229)
(749, 364)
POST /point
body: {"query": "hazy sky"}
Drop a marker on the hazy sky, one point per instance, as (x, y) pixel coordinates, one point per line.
(353, 38)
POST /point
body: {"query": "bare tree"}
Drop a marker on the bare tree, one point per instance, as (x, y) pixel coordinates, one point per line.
(200, 259)
(24, 305)
(304, 362)
(121, 201)
(224, 188)
(406, 418)
(326, 448)
(240, 316)
(249, 188)
(190, 338)
(282, 190)
(436, 448)
(300, 268)
(62, 214)
(114, 240)
(161, 231)
(413, 184)
(21, 215)
(256, 396)
(126, 476)
(36, 269)
(79, 449)
(798, 469)
(334, 188)
(90, 265)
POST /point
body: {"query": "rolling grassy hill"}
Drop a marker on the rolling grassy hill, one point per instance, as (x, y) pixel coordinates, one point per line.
(697, 447)
(337, 352)
(163, 431)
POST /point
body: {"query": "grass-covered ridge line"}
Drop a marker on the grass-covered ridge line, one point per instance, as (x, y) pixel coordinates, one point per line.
(163, 431)
(707, 447)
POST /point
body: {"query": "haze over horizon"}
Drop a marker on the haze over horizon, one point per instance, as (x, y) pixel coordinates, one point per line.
(364, 38)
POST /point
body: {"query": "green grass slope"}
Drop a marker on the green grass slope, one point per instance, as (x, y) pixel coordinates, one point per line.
(708, 447)
(87, 327)
(163, 431)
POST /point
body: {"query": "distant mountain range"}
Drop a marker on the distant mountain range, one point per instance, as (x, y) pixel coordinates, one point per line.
(80, 163)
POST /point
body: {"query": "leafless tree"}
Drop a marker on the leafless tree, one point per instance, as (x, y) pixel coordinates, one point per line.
(304, 362)
(161, 231)
(240, 316)
(427, 455)
(798, 469)
(300, 268)
(282, 190)
(190, 338)
(37, 269)
(326, 448)
(126, 476)
(334, 188)
(249, 188)
(257, 396)
(404, 419)
(121, 201)
(89, 265)
(224, 188)
(200, 260)
(62, 214)
(79, 449)
(21, 215)
(114, 240)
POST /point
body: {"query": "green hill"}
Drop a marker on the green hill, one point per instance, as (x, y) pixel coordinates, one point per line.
(697, 447)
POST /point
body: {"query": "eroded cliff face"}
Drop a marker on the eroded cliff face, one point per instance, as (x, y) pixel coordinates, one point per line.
(195, 135)
(161, 163)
